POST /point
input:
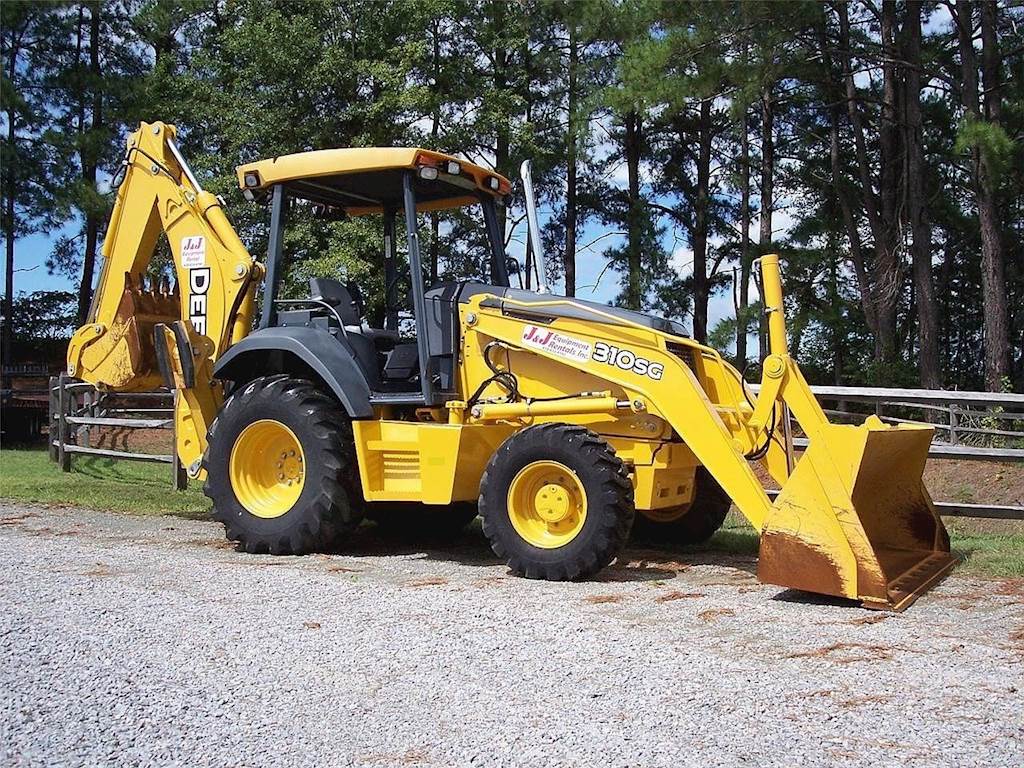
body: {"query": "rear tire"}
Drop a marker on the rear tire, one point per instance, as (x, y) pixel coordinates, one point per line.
(556, 502)
(695, 523)
(281, 470)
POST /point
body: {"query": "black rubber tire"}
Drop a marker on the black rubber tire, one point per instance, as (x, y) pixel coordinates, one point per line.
(705, 516)
(330, 505)
(410, 518)
(609, 502)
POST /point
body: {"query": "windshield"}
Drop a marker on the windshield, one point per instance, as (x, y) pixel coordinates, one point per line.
(316, 237)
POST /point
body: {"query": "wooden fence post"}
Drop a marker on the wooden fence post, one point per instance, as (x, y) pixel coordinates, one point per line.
(952, 425)
(84, 432)
(63, 457)
(51, 428)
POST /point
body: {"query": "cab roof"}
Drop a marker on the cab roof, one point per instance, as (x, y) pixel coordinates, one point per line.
(368, 180)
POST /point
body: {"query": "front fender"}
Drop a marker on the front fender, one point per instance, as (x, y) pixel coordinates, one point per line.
(297, 351)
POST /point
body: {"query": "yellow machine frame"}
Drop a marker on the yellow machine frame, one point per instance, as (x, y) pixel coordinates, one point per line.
(852, 518)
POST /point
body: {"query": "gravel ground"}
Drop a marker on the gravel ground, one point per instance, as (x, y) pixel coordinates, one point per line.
(149, 641)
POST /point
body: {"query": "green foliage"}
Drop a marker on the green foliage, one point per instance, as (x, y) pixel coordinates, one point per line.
(489, 80)
(44, 316)
(990, 139)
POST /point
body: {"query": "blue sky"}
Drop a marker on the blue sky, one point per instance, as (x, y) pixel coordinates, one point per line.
(30, 254)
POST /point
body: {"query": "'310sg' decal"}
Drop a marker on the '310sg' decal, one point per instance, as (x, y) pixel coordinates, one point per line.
(627, 361)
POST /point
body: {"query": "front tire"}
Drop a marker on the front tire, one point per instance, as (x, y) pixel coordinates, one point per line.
(556, 502)
(280, 468)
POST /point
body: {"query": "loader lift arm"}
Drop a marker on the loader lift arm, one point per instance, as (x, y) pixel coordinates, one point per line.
(852, 519)
(138, 338)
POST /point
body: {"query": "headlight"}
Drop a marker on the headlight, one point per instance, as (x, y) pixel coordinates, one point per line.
(428, 173)
(252, 179)
(453, 168)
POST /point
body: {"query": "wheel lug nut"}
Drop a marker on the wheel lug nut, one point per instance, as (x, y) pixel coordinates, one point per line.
(280, 477)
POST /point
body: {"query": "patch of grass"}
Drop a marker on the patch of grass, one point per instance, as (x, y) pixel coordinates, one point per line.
(988, 554)
(735, 537)
(964, 494)
(98, 483)
(984, 553)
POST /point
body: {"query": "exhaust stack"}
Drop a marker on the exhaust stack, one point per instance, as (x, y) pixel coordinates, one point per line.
(525, 171)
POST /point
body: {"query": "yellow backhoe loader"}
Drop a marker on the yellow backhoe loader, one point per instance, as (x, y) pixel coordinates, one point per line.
(560, 420)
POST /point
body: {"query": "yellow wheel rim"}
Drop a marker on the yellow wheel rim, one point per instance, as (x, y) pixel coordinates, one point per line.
(666, 515)
(547, 504)
(267, 468)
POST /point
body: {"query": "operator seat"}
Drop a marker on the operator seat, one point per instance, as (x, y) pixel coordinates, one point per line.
(337, 296)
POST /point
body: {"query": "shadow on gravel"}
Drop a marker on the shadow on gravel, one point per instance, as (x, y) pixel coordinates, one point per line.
(809, 598)
(470, 547)
(639, 562)
(467, 547)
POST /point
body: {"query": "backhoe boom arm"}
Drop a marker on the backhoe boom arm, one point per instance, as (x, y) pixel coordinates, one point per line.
(139, 337)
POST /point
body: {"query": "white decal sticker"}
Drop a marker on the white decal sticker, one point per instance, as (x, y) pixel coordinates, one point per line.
(193, 252)
(556, 343)
(627, 361)
(198, 286)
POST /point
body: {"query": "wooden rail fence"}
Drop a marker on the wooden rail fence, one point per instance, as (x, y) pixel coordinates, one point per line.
(973, 426)
(77, 409)
(978, 426)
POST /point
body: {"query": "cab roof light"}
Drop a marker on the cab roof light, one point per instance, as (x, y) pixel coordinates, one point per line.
(252, 179)
(493, 183)
(453, 168)
(428, 172)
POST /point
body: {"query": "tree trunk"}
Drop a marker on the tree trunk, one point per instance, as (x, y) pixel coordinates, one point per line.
(836, 331)
(745, 260)
(701, 220)
(860, 270)
(917, 211)
(885, 286)
(89, 163)
(993, 264)
(503, 141)
(833, 96)
(634, 284)
(569, 257)
(888, 280)
(9, 208)
(767, 191)
(435, 125)
(993, 269)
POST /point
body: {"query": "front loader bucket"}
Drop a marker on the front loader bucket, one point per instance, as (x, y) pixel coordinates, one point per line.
(855, 520)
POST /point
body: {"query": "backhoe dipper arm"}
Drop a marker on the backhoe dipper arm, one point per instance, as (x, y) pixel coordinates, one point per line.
(138, 338)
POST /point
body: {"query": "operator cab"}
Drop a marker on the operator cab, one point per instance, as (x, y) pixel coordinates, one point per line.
(406, 360)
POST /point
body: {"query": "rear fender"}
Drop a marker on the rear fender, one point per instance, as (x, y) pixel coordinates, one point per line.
(300, 351)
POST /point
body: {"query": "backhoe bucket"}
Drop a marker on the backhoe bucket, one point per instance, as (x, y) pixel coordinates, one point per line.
(855, 520)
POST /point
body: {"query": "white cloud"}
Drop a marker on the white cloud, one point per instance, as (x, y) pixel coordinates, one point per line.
(940, 21)
(681, 261)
